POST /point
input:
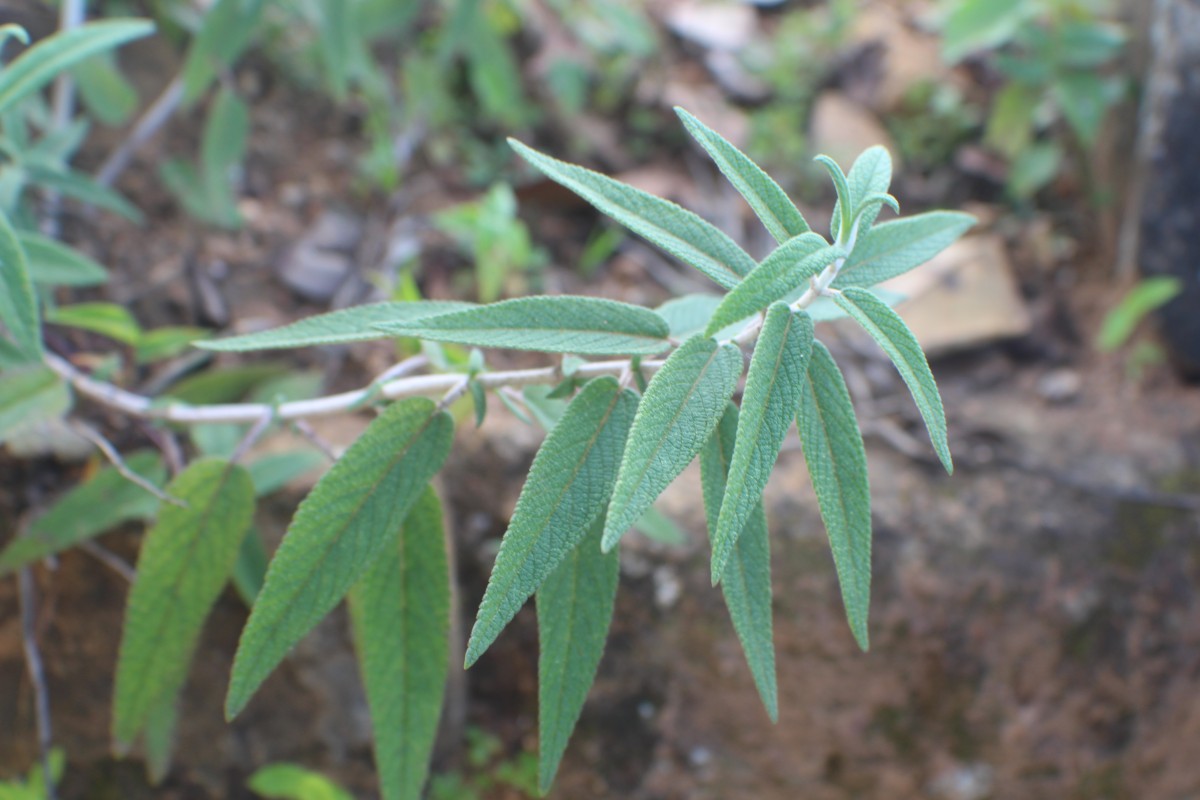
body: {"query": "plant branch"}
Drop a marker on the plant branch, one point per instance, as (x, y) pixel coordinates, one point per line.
(37, 675)
(140, 407)
(147, 125)
(106, 447)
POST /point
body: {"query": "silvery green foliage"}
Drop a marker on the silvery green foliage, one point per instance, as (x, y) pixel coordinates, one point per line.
(370, 531)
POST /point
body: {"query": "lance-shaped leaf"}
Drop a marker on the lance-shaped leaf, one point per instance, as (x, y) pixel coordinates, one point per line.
(338, 531)
(568, 487)
(843, 209)
(91, 508)
(780, 273)
(400, 611)
(871, 175)
(893, 248)
(837, 463)
(890, 332)
(355, 324)
(768, 201)
(184, 564)
(158, 739)
(54, 264)
(46, 60)
(676, 230)
(18, 306)
(773, 389)
(547, 323)
(681, 407)
(746, 583)
(574, 610)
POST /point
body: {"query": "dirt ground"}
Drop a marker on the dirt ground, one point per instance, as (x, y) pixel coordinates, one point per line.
(1036, 616)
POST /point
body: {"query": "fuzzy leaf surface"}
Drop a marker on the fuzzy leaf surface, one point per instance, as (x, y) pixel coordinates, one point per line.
(678, 231)
(400, 611)
(689, 314)
(773, 389)
(890, 333)
(87, 510)
(18, 305)
(568, 487)
(682, 405)
(870, 175)
(52, 263)
(338, 531)
(746, 583)
(355, 324)
(837, 464)
(769, 202)
(184, 564)
(574, 611)
(783, 271)
(895, 247)
(42, 63)
(547, 323)
(29, 394)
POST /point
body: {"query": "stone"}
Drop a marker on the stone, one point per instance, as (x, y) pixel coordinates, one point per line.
(964, 297)
(713, 26)
(841, 129)
(322, 260)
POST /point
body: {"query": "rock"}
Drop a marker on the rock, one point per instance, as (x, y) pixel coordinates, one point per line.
(713, 26)
(1060, 385)
(964, 297)
(842, 129)
(317, 265)
(908, 57)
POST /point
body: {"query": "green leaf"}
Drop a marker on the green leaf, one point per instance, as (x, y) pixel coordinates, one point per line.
(85, 190)
(676, 230)
(87, 510)
(843, 220)
(290, 782)
(18, 305)
(184, 564)
(1084, 99)
(224, 143)
(106, 319)
(163, 343)
(769, 202)
(780, 273)
(893, 248)
(357, 324)
(680, 409)
(890, 333)
(574, 611)
(52, 263)
(271, 473)
(837, 464)
(29, 394)
(250, 569)
(773, 389)
(658, 527)
(981, 25)
(870, 176)
(1120, 323)
(338, 531)
(43, 62)
(109, 97)
(746, 583)
(568, 487)
(548, 323)
(400, 611)
(159, 738)
(228, 28)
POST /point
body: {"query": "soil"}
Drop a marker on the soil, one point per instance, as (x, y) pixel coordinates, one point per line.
(1035, 617)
